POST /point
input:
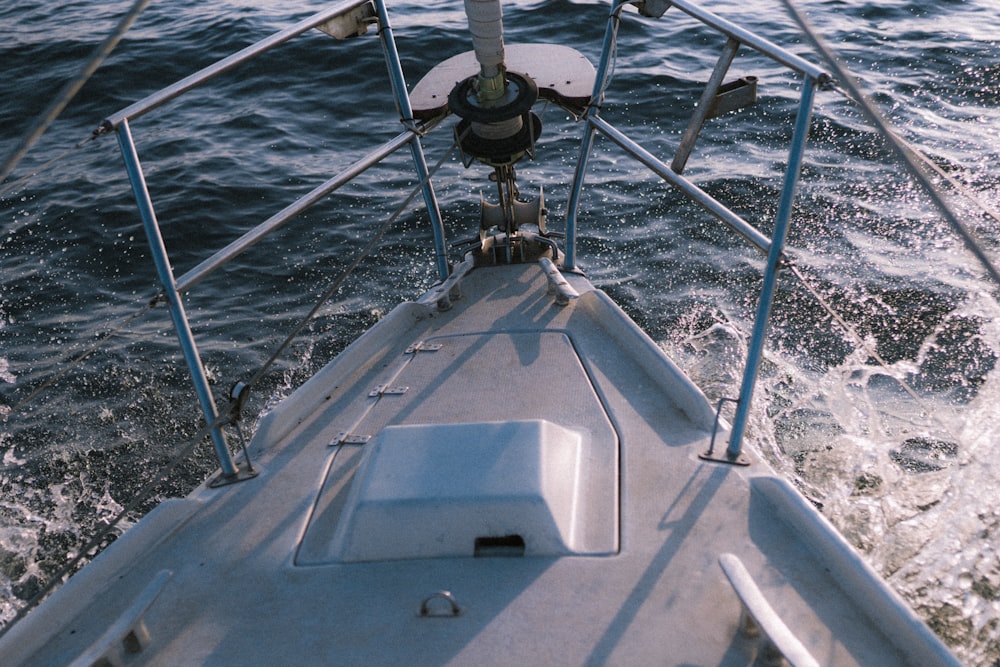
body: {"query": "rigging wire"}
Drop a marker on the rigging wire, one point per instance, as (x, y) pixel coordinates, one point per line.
(915, 160)
(928, 162)
(902, 150)
(907, 153)
(72, 87)
(912, 157)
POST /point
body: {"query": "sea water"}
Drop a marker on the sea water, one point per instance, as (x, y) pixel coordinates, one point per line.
(884, 415)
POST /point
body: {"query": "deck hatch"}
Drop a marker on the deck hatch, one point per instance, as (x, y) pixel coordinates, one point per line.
(454, 490)
(448, 427)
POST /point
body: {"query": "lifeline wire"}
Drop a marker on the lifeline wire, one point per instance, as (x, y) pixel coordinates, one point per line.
(14, 185)
(376, 238)
(960, 187)
(848, 328)
(911, 158)
(868, 348)
(71, 88)
(224, 417)
(955, 183)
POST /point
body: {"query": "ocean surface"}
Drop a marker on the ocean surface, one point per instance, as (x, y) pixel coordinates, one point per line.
(892, 427)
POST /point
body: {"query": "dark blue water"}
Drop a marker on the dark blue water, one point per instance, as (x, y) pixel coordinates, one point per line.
(910, 482)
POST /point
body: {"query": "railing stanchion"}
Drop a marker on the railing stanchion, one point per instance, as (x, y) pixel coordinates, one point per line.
(163, 269)
(587, 142)
(569, 252)
(774, 257)
(416, 148)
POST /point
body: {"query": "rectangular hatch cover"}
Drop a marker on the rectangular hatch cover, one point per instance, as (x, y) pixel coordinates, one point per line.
(435, 491)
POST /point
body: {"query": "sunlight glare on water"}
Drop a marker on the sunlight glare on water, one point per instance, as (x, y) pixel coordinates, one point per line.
(908, 479)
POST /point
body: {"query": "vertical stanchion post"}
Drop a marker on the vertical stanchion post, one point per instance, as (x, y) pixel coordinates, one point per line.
(587, 142)
(759, 334)
(416, 148)
(177, 314)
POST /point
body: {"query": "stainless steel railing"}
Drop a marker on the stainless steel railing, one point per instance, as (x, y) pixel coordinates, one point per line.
(354, 13)
(812, 77)
(344, 19)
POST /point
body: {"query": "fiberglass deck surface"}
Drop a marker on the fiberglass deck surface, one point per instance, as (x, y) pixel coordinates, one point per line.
(268, 588)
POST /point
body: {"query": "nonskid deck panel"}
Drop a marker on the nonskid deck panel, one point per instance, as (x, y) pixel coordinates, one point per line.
(468, 399)
(237, 595)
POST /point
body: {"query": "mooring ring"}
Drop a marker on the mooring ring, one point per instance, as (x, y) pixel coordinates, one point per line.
(425, 606)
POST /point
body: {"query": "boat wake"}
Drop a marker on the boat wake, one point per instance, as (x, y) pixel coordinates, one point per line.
(890, 428)
(900, 457)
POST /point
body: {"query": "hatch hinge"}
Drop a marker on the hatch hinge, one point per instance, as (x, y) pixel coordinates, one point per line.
(387, 390)
(345, 438)
(422, 346)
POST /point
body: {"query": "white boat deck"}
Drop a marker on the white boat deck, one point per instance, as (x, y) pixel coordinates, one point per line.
(626, 572)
